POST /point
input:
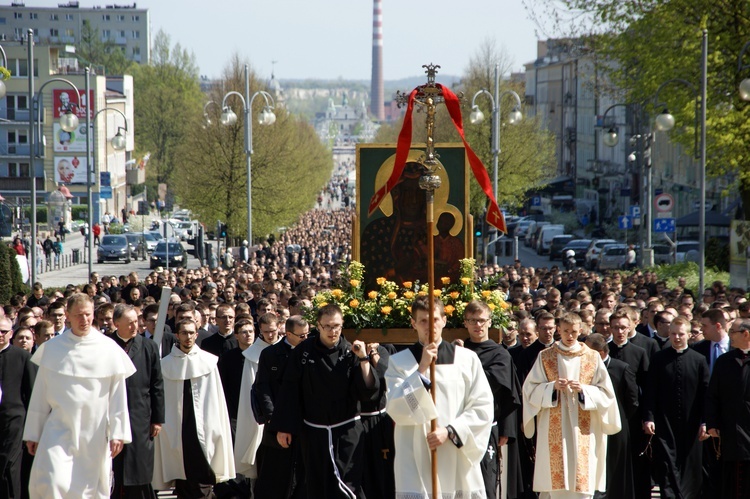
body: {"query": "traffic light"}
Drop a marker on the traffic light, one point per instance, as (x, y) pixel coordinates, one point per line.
(222, 230)
(142, 208)
(479, 228)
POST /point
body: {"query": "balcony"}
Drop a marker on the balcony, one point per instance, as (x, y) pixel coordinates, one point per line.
(22, 184)
(14, 150)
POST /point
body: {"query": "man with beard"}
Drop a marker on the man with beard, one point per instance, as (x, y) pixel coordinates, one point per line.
(325, 380)
(134, 466)
(498, 367)
(674, 402)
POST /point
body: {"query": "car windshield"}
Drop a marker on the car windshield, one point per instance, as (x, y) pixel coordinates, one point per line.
(615, 251)
(157, 235)
(149, 236)
(112, 240)
(173, 247)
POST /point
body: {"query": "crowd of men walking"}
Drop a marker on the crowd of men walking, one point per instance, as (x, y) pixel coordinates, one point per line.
(601, 386)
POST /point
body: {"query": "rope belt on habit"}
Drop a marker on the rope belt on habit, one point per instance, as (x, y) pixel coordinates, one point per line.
(376, 413)
(342, 486)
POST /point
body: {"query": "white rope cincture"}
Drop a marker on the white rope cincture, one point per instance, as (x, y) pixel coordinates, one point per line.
(342, 485)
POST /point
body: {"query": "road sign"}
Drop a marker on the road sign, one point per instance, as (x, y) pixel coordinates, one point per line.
(664, 202)
(664, 225)
(624, 222)
(105, 192)
(536, 201)
(635, 211)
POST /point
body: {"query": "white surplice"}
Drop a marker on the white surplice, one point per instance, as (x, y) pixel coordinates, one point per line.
(571, 445)
(78, 405)
(463, 400)
(249, 432)
(211, 417)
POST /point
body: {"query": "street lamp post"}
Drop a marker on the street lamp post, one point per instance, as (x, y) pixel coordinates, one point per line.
(477, 116)
(665, 122)
(68, 122)
(267, 117)
(118, 144)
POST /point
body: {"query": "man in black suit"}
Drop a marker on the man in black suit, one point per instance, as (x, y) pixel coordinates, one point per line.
(649, 329)
(619, 461)
(716, 342)
(134, 467)
(728, 412)
(17, 374)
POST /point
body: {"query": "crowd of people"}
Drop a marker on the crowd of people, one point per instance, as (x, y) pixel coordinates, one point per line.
(600, 386)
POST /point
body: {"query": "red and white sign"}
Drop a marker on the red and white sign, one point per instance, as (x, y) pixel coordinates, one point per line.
(63, 99)
(663, 203)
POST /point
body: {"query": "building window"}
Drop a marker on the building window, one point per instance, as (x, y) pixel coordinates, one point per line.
(18, 32)
(54, 32)
(2, 20)
(18, 137)
(33, 15)
(136, 50)
(17, 15)
(68, 17)
(70, 32)
(20, 68)
(136, 19)
(16, 102)
(53, 17)
(121, 33)
(105, 17)
(18, 169)
(136, 35)
(120, 18)
(106, 33)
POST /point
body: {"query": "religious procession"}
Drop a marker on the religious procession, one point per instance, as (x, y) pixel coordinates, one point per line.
(379, 361)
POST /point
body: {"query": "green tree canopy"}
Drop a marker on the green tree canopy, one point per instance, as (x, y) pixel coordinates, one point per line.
(92, 50)
(289, 163)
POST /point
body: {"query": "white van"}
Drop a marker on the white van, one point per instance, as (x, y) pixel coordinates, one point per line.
(545, 237)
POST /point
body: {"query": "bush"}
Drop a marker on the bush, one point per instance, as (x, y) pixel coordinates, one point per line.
(79, 212)
(717, 254)
(41, 214)
(689, 270)
(5, 277)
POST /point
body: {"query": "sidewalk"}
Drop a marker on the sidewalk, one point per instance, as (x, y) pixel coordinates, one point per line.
(71, 274)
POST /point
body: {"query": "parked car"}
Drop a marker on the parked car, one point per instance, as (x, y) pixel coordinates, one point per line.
(592, 253)
(544, 239)
(687, 251)
(173, 251)
(533, 233)
(557, 244)
(113, 247)
(511, 222)
(136, 245)
(580, 246)
(150, 240)
(662, 254)
(612, 256)
(522, 228)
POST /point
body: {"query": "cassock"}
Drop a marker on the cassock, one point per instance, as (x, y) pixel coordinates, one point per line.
(571, 428)
(674, 400)
(280, 471)
(17, 374)
(218, 344)
(249, 432)
(378, 480)
(506, 391)
(619, 459)
(78, 405)
(728, 410)
(463, 400)
(134, 466)
(634, 356)
(319, 404)
(195, 373)
(649, 344)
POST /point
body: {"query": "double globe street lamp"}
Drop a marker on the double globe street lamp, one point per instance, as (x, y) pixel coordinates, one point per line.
(477, 117)
(266, 117)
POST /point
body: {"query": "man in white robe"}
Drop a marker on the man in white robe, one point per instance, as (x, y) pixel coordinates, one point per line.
(78, 414)
(463, 408)
(198, 455)
(570, 393)
(249, 432)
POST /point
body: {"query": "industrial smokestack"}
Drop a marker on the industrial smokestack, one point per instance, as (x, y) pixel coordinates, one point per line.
(376, 87)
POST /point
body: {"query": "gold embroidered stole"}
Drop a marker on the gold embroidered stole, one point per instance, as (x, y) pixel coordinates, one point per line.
(583, 430)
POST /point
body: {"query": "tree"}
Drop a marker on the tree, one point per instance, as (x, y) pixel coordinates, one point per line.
(289, 165)
(527, 156)
(169, 104)
(6, 291)
(644, 44)
(92, 50)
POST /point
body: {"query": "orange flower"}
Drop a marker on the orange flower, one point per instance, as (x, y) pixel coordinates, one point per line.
(465, 281)
(486, 293)
(408, 295)
(407, 284)
(422, 293)
(504, 305)
(337, 293)
(372, 295)
(323, 304)
(354, 303)
(392, 295)
(449, 309)
(445, 280)
(437, 292)
(354, 283)
(380, 281)
(386, 310)
(454, 294)
(492, 306)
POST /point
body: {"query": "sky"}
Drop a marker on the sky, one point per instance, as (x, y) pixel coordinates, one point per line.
(330, 39)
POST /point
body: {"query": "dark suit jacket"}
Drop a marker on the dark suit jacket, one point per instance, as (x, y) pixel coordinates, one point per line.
(728, 405)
